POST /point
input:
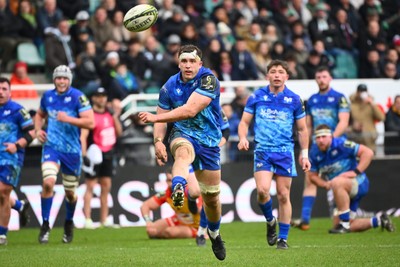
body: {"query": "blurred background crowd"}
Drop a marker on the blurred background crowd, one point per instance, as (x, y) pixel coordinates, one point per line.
(354, 38)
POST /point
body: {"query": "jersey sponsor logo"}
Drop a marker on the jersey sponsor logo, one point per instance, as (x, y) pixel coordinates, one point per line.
(46, 156)
(50, 99)
(334, 152)
(273, 114)
(7, 112)
(67, 99)
(84, 101)
(259, 165)
(208, 83)
(331, 99)
(178, 91)
(25, 114)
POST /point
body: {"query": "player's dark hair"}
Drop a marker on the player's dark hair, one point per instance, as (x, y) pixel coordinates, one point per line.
(5, 80)
(189, 49)
(322, 127)
(277, 62)
(323, 68)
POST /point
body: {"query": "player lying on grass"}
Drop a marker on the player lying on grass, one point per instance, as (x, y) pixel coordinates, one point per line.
(184, 223)
(336, 159)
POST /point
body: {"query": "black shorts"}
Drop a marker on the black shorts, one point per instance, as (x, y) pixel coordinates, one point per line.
(104, 169)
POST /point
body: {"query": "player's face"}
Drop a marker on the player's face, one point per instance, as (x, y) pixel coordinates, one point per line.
(4, 93)
(277, 77)
(323, 80)
(323, 142)
(189, 67)
(62, 84)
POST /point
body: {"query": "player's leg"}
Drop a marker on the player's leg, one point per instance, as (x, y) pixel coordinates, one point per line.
(201, 232)
(90, 182)
(183, 153)
(283, 185)
(309, 195)
(179, 231)
(50, 169)
(71, 165)
(193, 191)
(342, 189)
(209, 181)
(22, 206)
(155, 229)
(263, 184)
(105, 185)
(5, 210)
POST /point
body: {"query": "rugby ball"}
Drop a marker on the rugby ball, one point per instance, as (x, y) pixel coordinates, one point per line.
(140, 17)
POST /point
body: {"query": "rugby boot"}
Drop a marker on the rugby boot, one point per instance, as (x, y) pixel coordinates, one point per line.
(178, 196)
(68, 231)
(282, 244)
(200, 241)
(271, 233)
(218, 246)
(44, 233)
(386, 223)
(24, 217)
(339, 229)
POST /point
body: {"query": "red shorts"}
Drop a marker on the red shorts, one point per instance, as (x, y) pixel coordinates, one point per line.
(173, 221)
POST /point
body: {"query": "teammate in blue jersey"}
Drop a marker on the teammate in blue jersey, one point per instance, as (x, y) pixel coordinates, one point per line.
(225, 130)
(275, 109)
(16, 132)
(325, 107)
(336, 160)
(190, 100)
(66, 110)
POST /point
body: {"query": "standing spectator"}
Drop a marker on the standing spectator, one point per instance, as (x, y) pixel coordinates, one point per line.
(104, 135)
(392, 128)
(325, 107)
(120, 33)
(66, 110)
(29, 27)
(17, 126)
(81, 25)
(20, 77)
(48, 16)
(243, 66)
(135, 58)
(276, 110)
(262, 58)
(312, 64)
(364, 114)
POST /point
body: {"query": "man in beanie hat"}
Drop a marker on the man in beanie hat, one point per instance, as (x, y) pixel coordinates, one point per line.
(67, 110)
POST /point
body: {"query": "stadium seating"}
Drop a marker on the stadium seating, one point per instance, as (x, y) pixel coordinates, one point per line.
(28, 53)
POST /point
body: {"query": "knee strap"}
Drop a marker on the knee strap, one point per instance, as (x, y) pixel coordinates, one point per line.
(70, 182)
(185, 143)
(49, 170)
(209, 189)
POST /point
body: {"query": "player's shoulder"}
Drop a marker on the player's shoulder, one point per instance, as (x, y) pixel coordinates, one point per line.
(12, 105)
(290, 94)
(208, 81)
(75, 92)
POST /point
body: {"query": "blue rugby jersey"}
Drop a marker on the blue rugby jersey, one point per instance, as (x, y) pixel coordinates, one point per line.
(325, 108)
(13, 120)
(274, 118)
(205, 126)
(340, 157)
(61, 136)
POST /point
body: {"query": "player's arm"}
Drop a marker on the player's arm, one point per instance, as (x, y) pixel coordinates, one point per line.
(83, 138)
(309, 123)
(193, 106)
(85, 120)
(304, 142)
(147, 206)
(159, 132)
(225, 136)
(365, 155)
(38, 121)
(117, 125)
(243, 130)
(318, 181)
(342, 125)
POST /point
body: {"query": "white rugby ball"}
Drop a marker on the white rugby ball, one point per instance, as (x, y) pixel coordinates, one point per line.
(140, 17)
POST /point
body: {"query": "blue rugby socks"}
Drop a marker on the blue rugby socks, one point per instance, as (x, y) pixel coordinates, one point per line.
(178, 180)
(308, 203)
(267, 210)
(46, 207)
(70, 207)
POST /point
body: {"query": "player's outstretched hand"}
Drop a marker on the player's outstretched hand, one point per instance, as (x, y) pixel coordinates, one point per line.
(161, 153)
(147, 117)
(10, 148)
(243, 145)
(305, 164)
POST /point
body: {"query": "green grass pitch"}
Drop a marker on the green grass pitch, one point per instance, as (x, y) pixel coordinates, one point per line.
(245, 244)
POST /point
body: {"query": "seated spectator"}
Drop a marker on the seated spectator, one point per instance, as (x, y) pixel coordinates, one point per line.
(59, 47)
(392, 128)
(262, 58)
(297, 72)
(243, 66)
(20, 77)
(29, 27)
(120, 33)
(101, 26)
(312, 64)
(390, 71)
(81, 25)
(278, 50)
(364, 114)
(228, 39)
(373, 67)
(136, 61)
(297, 29)
(48, 16)
(299, 50)
(127, 79)
(190, 35)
